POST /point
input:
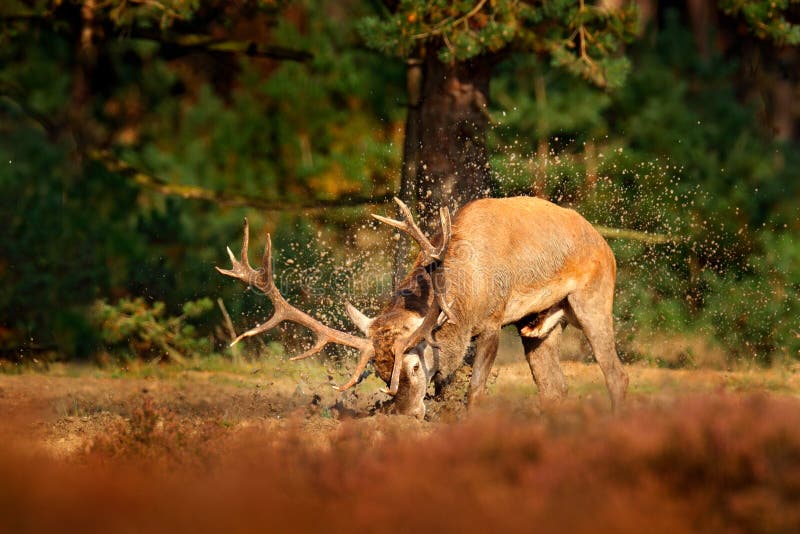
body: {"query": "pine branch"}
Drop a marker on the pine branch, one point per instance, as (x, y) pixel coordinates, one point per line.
(636, 235)
(182, 44)
(117, 166)
(441, 27)
(14, 95)
(178, 45)
(224, 198)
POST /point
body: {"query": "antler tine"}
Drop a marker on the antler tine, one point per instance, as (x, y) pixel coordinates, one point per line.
(366, 355)
(263, 280)
(430, 252)
(391, 222)
(447, 232)
(409, 219)
(318, 345)
(408, 226)
(266, 259)
(273, 321)
(233, 259)
(444, 306)
(246, 244)
(241, 268)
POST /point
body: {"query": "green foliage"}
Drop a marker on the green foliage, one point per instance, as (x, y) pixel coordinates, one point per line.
(757, 313)
(134, 328)
(767, 19)
(77, 232)
(583, 39)
(53, 245)
(675, 149)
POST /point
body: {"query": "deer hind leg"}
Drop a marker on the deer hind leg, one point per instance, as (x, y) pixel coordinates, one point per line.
(485, 354)
(542, 355)
(592, 311)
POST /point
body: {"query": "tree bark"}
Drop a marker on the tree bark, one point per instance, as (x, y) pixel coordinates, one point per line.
(411, 151)
(453, 166)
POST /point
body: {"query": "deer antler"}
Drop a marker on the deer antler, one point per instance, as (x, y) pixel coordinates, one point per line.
(439, 312)
(262, 280)
(430, 254)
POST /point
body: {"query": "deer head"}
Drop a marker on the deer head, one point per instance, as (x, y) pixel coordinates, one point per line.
(401, 338)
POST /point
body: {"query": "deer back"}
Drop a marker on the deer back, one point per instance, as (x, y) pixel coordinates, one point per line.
(508, 257)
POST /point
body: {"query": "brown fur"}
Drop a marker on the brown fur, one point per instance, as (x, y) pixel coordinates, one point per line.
(387, 328)
(509, 259)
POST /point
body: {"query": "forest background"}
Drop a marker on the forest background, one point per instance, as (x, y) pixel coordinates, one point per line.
(136, 135)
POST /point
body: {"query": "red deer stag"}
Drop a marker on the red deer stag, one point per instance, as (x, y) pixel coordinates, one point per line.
(522, 261)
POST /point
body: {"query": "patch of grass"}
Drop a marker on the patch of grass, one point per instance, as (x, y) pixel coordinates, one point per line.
(76, 406)
(227, 380)
(24, 366)
(755, 382)
(644, 388)
(583, 389)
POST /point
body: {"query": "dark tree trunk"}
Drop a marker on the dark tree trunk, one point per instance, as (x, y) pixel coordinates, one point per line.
(444, 152)
(453, 168)
(411, 150)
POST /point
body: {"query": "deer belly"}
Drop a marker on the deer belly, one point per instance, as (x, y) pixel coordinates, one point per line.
(521, 304)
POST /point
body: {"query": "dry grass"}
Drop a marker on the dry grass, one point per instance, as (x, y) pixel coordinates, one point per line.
(694, 451)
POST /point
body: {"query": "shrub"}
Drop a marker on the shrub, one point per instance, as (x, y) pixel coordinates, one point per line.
(135, 328)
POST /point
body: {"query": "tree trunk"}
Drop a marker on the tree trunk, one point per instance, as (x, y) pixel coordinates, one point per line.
(453, 167)
(411, 149)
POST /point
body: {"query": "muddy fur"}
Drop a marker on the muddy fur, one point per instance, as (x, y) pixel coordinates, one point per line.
(446, 401)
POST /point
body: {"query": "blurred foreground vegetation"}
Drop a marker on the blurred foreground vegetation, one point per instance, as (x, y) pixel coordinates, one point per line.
(199, 453)
(131, 150)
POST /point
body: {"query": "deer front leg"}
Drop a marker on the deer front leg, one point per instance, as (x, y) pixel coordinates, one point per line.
(485, 354)
(454, 342)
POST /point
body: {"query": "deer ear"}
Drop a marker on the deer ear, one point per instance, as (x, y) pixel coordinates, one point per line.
(359, 319)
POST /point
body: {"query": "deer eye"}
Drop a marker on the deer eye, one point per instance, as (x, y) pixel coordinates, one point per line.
(416, 367)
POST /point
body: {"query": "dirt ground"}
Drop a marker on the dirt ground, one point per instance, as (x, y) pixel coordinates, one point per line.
(220, 445)
(64, 409)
